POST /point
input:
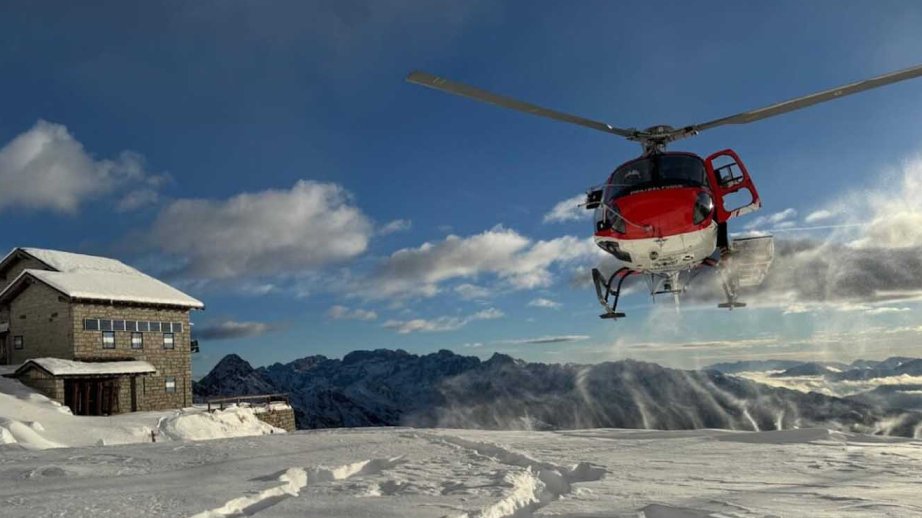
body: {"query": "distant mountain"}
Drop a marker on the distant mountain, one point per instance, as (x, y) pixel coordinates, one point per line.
(443, 389)
(890, 363)
(232, 376)
(905, 397)
(885, 369)
(805, 369)
(753, 366)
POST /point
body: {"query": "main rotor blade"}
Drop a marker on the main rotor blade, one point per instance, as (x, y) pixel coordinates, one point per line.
(439, 83)
(810, 100)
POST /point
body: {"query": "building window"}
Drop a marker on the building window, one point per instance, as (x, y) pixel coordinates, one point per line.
(142, 327)
(17, 342)
(118, 325)
(108, 339)
(131, 325)
(166, 327)
(168, 341)
(137, 340)
(154, 327)
(105, 325)
(91, 324)
(170, 384)
(177, 327)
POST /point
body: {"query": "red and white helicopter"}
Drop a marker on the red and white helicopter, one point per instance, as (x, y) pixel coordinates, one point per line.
(664, 214)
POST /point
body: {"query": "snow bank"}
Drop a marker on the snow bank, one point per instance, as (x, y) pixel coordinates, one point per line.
(33, 421)
(220, 424)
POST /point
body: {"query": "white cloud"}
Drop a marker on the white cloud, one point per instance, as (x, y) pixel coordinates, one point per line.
(270, 233)
(518, 262)
(46, 168)
(470, 291)
(887, 309)
(398, 225)
(543, 303)
(344, 313)
(547, 340)
(778, 219)
(568, 210)
(136, 199)
(231, 329)
(893, 216)
(440, 324)
(819, 215)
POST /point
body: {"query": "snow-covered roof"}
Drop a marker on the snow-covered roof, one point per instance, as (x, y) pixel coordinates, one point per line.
(60, 367)
(109, 286)
(71, 262)
(100, 278)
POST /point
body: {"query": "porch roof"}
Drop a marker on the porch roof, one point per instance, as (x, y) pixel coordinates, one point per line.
(61, 367)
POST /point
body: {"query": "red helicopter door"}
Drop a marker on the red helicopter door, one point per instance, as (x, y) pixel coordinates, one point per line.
(731, 183)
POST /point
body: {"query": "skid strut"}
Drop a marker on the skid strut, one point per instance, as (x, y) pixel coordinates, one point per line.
(728, 281)
(609, 289)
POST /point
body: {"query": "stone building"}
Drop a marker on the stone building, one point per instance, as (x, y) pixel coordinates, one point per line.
(95, 333)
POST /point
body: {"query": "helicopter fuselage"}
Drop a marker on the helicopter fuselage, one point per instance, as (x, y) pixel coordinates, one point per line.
(662, 212)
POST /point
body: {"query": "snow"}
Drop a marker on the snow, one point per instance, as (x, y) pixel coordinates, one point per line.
(71, 262)
(404, 472)
(53, 463)
(101, 278)
(199, 426)
(61, 367)
(32, 421)
(108, 286)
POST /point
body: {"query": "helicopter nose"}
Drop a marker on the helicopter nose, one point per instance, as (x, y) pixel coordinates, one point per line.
(666, 212)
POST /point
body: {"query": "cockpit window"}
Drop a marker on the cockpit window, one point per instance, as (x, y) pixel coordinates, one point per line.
(656, 171)
(682, 168)
(634, 175)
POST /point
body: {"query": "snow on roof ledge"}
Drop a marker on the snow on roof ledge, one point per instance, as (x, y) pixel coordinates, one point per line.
(61, 367)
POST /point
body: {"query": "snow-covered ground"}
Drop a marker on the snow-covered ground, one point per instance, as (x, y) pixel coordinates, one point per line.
(400, 472)
(31, 420)
(53, 463)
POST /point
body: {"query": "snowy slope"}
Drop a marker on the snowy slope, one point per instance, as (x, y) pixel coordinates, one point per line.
(400, 472)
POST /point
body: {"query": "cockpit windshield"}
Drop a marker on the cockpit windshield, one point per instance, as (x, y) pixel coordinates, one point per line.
(656, 171)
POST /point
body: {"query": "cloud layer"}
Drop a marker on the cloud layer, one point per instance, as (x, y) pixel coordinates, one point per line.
(275, 232)
(445, 323)
(344, 313)
(568, 210)
(46, 168)
(871, 249)
(231, 329)
(517, 261)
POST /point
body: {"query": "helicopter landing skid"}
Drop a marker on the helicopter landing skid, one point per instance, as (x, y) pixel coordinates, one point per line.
(610, 290)
(727, 281)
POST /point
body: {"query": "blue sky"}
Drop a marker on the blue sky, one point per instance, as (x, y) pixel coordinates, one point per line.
(270, 160)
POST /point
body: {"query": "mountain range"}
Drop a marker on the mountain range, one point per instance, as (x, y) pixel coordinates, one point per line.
(393, 387)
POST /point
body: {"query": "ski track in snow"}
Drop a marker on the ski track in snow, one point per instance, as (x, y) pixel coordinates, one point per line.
(534, 484)
(293, 481)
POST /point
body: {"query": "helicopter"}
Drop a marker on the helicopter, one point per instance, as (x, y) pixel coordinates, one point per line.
(665, 214)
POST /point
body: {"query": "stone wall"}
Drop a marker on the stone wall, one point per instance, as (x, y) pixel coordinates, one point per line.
(6, 278)
(279, 417)
(43, 318)
(44, 383)
(176, 362)
(24, 262)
